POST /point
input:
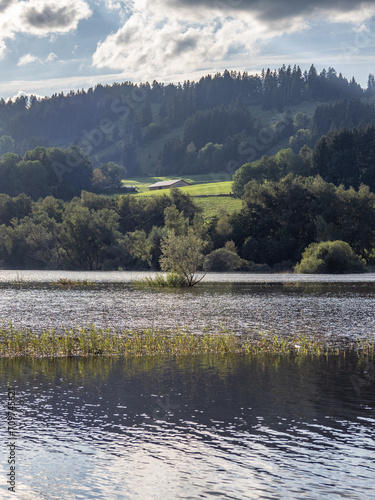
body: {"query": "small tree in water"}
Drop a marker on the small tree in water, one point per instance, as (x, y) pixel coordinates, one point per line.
(183, 255)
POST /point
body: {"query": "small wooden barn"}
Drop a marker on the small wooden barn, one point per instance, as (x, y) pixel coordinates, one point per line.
(168, 184)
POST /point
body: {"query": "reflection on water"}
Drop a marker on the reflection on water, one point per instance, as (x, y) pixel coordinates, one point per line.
(194, 427)
(328, 305)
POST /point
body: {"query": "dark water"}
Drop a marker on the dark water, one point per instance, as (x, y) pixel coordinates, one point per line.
(322, 305)
(201, 427)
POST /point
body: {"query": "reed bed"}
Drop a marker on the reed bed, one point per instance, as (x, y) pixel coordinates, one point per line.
(93, 341)
(168, 280)
(68, 283)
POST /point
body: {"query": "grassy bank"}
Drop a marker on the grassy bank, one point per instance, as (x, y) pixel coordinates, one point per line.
(92, 341)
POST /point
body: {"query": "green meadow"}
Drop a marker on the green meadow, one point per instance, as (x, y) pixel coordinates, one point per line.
(212, 192)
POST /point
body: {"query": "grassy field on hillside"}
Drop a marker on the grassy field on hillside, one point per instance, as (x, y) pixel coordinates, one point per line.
(143, 182)
(208, 189)
(216, 205)
(212, 192)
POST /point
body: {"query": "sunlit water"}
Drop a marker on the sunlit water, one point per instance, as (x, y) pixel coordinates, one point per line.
(225, 427)
(321, 305)
(191, 427)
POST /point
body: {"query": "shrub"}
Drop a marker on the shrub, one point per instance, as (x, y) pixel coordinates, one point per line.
(330, 257)
(223, 259)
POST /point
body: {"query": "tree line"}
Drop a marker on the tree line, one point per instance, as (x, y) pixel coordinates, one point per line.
(91, 231)
(278, 221)
(113, 122)
(342, 157)
(281, 218)
(62, 173)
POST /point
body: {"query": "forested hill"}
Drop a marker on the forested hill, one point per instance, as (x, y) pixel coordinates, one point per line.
(191, 127)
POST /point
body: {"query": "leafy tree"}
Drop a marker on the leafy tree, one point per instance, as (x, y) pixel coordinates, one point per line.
(99, 180)
(139, 247)
(87, 236)
(223, 259)
(302, 137)
(301, 121)
(330, 257)
(113, 173)
(174, 220)
(183, 255)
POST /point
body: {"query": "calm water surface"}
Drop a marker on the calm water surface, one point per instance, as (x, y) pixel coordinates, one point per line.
(321, 305)
(202, 427)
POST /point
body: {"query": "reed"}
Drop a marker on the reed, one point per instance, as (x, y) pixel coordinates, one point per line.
(170, 280)
(67, 283)
(93, 341)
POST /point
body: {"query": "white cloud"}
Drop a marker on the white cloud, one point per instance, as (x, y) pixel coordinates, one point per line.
(40, 17)
(150, 44)
(164, 37)
(51, 57)
(28, 59)
(113, 4)
(2, 48)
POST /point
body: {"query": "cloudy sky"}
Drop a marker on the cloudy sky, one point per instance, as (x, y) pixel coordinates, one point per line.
(49, 46)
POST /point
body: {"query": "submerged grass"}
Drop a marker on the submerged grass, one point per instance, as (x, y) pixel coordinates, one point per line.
(93, 341)
(170, 280)
(68, 283)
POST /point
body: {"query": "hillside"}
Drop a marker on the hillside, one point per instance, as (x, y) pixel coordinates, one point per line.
(213, 125)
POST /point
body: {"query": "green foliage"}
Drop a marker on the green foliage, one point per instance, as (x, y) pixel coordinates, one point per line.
(346, 157)
(139, 247)
(7, 144)
(280, 219)
(330, 257)
(301, 121)
(95, 341)
(342, 114)
(107, 122)
(224, 259)
(183, 255)
(301, 138)
(216, 124)
(271, 168)
(174, 220)
(46, 171)
(90, 232)
(170, 280)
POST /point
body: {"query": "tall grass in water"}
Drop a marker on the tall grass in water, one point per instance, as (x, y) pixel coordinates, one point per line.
(68, 283)
(170, 280)
(148, 342)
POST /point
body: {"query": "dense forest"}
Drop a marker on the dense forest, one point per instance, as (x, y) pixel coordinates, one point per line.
(201, 125)
(303, 177)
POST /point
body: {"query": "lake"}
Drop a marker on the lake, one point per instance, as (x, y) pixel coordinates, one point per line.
(197, 427)
(229, 426)
(339, 306)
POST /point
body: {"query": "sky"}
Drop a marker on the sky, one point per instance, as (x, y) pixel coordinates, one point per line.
(53, 46)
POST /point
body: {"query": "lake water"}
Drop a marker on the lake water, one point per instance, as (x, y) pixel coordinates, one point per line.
(234, 426)
(340, 306)
(199, 427)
